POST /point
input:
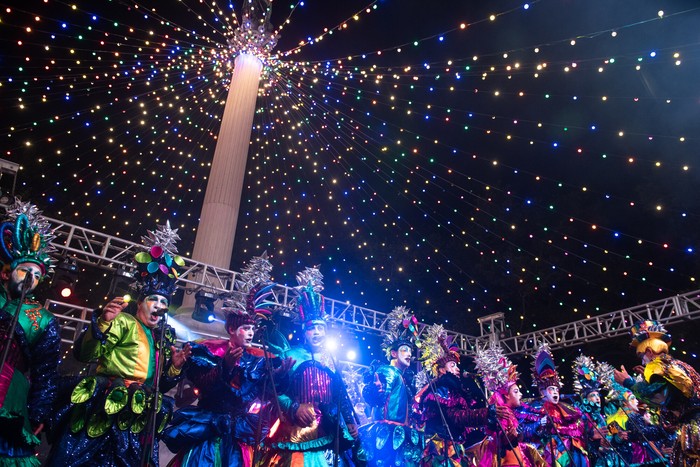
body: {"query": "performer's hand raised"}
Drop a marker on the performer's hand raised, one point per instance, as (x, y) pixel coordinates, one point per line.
(180, 356)
(502, 412)
(352, 429)
(284, 368)
(621, 375)
(113, 308)
(233, 356)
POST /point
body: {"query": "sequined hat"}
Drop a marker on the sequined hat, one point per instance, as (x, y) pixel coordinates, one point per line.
(249, 304)
(497, 372)
(309, 301)
(402, 329)
(158, 266)
(26, 237)
(586, 377)
(544, 371)
(437, 349)
(649, 334)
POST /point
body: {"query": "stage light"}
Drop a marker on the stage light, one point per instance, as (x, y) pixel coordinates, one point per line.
(67, 291)
(63, 281)
(204, 307)
(351, 355)
(331, 344)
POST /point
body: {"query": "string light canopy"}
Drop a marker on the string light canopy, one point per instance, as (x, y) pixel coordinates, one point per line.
(535, 159)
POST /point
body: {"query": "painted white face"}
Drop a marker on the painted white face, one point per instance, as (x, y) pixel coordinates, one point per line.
(594, 398)
(315, 335)
(452, 368)
(403, 356)
(148, 307)
(243, 336)
(551, 394)
(633, 403)
(17, 278)
(514, 396)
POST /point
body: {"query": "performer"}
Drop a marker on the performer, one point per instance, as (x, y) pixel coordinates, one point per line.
(670, 384)
(635, 439)
(504, 446)
(556, 425)
(30, 369)
(105, 422)
(589, 379)
(234, 410)
(392, 437)
(317, 424)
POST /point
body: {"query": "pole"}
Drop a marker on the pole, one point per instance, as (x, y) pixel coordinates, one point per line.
(151, 428)
(26, 283)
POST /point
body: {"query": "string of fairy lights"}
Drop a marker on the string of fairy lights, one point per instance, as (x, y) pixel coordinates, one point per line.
(429, 170)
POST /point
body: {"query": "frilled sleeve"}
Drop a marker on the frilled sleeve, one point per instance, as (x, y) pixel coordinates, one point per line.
(44, 373)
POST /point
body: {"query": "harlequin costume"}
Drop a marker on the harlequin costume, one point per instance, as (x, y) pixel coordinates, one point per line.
(29, 377)
(233, 412)
(672, 385)
(103, 420)
(503, 446)
(557, 427)
(313, 379)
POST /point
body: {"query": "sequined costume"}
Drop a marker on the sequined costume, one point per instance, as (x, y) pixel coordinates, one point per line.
(313, 380)
(558, 430)
(392, 434)
(28, 379)
(223, 428)
(103, 422)
(445, 396)
(29, 374)
(643, 440)
(675, 386)
(672, 385)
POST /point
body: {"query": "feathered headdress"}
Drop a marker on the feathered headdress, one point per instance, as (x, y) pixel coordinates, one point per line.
(158, 266)
(437, 349)
(497, 371)
(586, 376)
(26, 237)
(309, 301)
(402, 329)
(650, 334)
(544, 371)
(249, 304)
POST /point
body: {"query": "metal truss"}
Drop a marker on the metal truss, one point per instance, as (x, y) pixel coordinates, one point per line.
(109, 252)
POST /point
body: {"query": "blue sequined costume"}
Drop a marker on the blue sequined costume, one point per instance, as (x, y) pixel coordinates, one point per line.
(391, 437)
(28, 379)
(232, 413)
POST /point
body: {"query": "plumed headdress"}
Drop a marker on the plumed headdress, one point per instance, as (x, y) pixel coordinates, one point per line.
(401, 329)
(650, 334)
(586, 376)
(157, 267)
(544, 371)
(496, 370)
(249, 304)
(26, 237)
(437, 349)
(309, 301)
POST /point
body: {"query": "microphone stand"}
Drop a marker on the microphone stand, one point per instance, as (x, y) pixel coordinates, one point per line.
(270, 375)
(151, 428)
(431, 383)
(602, 436)
(558, 435)
(502, 430)
(26, 283)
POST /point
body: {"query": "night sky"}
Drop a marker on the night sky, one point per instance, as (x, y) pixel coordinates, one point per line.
(459, 157)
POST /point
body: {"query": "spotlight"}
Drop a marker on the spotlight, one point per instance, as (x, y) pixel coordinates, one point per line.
(351, 355)
(63, 282)
(204, 307)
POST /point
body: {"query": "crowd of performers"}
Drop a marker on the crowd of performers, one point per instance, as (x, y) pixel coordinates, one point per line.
(282, 405)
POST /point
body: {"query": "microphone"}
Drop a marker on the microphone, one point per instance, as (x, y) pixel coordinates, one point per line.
(468, 374)
(27, 282)
(161, 312)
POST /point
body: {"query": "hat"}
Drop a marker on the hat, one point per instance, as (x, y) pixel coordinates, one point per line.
(26, 237)
(497, 372)
(249, 304)
(309, 301)
(586, 377)
(544, 371)
(402, 329)
(649, 334)
(437, 349)
(158, 266)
